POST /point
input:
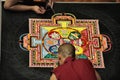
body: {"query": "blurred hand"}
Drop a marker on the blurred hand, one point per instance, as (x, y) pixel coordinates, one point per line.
(50, 3)
(39, 9)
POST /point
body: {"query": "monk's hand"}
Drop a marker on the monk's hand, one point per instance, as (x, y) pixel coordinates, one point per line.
(39, 9)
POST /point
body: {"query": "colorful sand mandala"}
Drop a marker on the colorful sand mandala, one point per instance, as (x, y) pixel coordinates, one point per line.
(46, 35)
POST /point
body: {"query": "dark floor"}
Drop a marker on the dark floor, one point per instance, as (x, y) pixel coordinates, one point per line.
(14, 64)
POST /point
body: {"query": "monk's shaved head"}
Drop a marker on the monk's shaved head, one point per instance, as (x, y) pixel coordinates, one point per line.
(66, 50)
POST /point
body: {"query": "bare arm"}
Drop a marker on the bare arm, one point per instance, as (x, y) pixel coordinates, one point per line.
(53, 77)
(12, 5)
